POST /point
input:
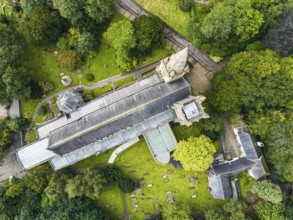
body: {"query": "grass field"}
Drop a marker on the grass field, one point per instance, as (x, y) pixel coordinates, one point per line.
(169, 12)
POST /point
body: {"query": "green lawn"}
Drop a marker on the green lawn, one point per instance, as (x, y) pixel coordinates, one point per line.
(169, 11)
(245, 182)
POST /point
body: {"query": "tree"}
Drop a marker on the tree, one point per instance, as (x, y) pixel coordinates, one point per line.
(214, 213)
(234, 210)
(36, 90)
(174, 211)
(269, 211)
(99, 10)
(55, 188)
(93, 182)
(112, 174)
(5, 138)
(268, 191)
(74, 187)
(279, 38)
(121, 36)
(36, 181)
(195, 153)
(70, 59)
(29, 5)
(149, 32)
(186, 5)
(17, 124)
(15, 188)
(72, 10)
(86, 43)
(126, 184)
(43, 26)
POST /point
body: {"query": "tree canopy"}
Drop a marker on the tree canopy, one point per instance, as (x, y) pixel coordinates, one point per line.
(269, 211)
(173, 211)
(195, 153)
(29, 5)
(268, 191)
(149, 33)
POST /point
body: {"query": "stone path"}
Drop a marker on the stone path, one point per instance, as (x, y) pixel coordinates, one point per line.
(136, 73)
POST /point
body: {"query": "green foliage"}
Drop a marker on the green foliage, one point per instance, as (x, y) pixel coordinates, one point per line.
(195, 153)
(46, 86)
(88, 95)
(70, 59)
(43, 26)
(63, 43)
(126, 185)
(234, 210)
(112, 174)
(93, 182)
(255, 46)
(149, 32)
(214, 213)
(89, 77)
(186, 5)
(268, 191)
(174, 211)
(43, 109)
(279, 38)
(55, 188)
(36, 181)
(29, 5)
(213, 123)
(99, 10)
(15, 188)
(17, 124)
(269, 211)
(121, 36)
(74, 187)
(72, 10)
(154, 217)
(86, 43)
(5, 138)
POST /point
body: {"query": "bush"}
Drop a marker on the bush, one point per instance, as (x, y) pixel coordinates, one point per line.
(186, 5)
(126, 185)
(43, 110)
(89, 77)
(17, 124)
(37, 91)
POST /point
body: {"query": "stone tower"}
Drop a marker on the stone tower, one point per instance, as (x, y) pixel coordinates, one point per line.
(189, 110)
(173, 67)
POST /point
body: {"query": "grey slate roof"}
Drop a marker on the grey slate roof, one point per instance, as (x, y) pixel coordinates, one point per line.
(69, 101)
(248, 145)
(219, 186)
(118, 116)
(236, 190)
(233, 167)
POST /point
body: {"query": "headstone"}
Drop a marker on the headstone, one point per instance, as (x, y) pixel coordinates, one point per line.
(150, 185)
(169, 192)
(191, 179)
(165, 176)
(192, 187)
(166, 181)
(182, 176)
(169, 171)
(193, 196)
(139, 190)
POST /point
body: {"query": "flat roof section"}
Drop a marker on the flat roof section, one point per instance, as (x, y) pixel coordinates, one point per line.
(35, 154)
(191, 110)
(161, 142)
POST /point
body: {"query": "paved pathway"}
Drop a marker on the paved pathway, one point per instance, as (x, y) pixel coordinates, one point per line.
(136, 73)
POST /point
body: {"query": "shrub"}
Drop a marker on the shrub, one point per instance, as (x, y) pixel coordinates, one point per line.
(186, 5)
(89, 77)
(37, 91)
(43, 110)
(112, 174)
(17, 124)
(126, 185)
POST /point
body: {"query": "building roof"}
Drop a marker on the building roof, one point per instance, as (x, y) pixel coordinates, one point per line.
(219, 186)
(247, 144)
(69, 101)
(191, 110)
(233, 167)
(177, 61)
(236, 190)
(118, 116)
(161, 142)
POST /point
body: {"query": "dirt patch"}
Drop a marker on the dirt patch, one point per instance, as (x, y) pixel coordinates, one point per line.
(199, 83)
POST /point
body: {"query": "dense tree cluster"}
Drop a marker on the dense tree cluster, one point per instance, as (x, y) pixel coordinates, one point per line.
(175, 211)
(139, 37)
(258, 83)
(223, 33)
